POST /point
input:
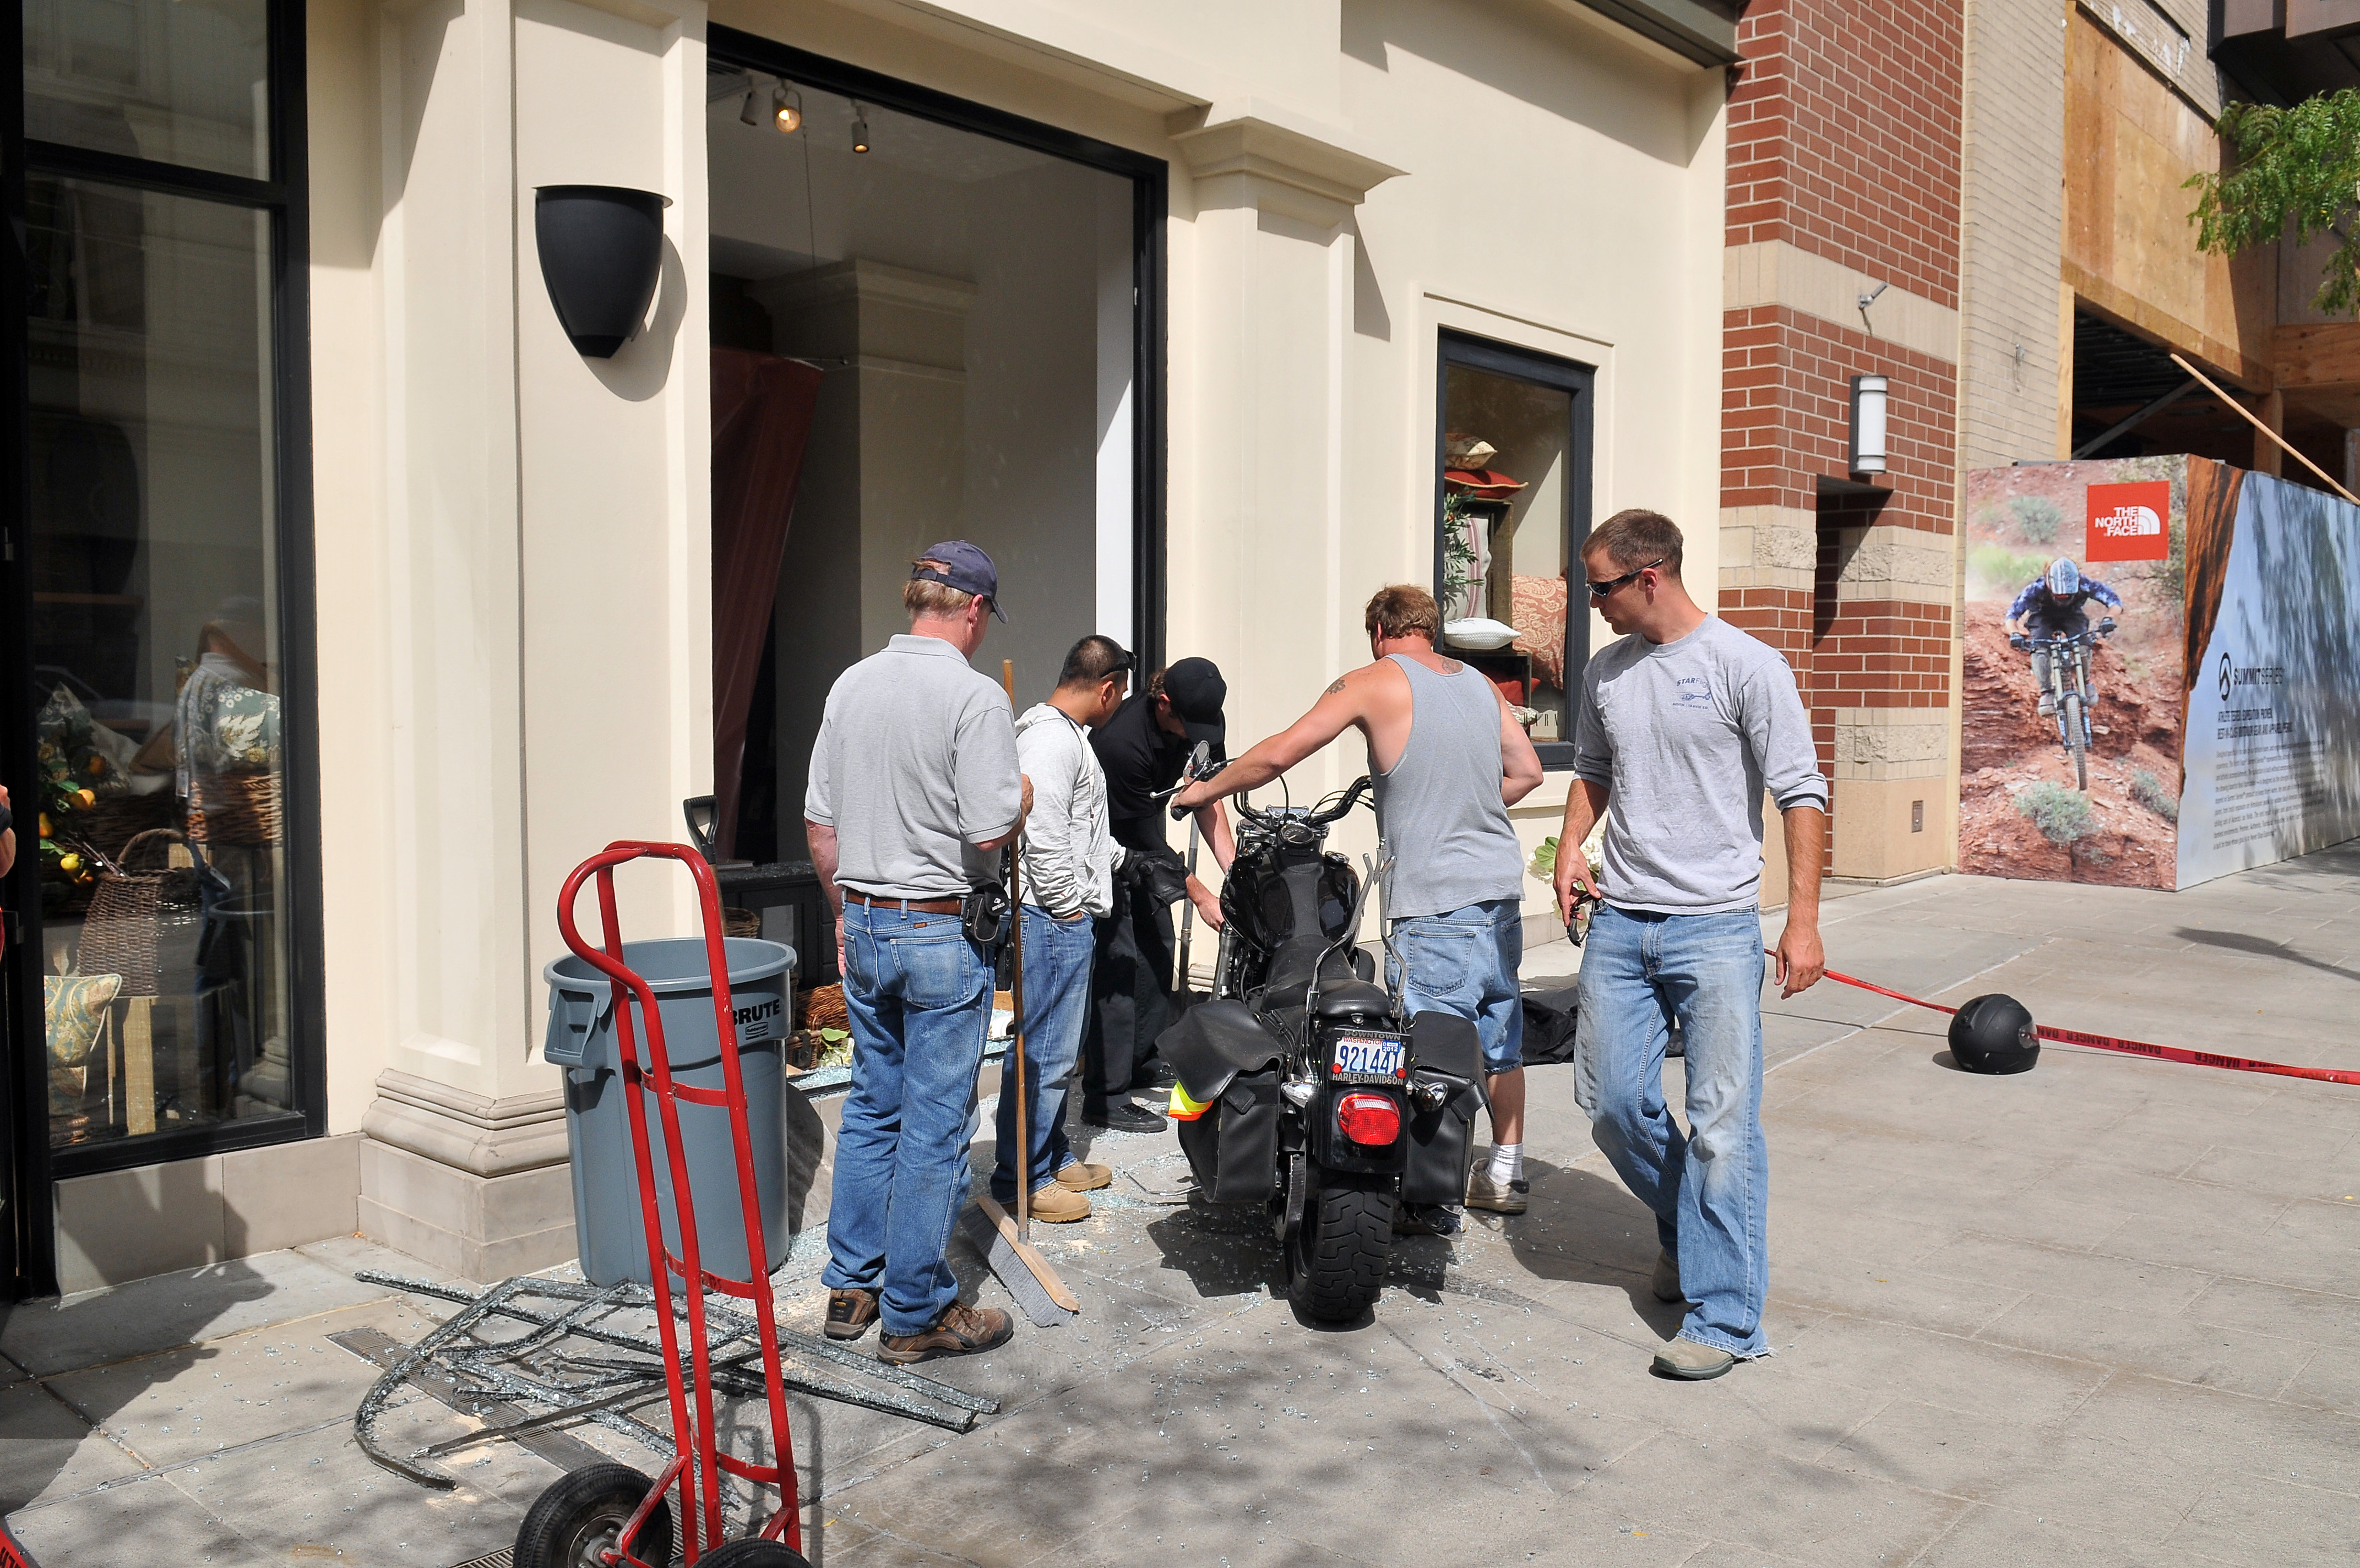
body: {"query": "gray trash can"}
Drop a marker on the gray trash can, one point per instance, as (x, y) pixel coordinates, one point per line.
(609, 1226)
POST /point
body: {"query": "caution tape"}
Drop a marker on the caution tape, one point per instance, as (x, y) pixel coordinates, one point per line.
(2132, 1047)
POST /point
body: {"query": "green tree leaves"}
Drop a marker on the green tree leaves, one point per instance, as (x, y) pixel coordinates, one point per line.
(2296, 168)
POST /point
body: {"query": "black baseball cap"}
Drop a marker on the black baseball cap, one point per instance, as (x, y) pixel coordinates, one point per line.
(961, 566)
(1196, 690)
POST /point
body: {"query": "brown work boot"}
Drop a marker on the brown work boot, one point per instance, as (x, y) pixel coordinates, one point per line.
(849, 1313)
(1079, 1176)
(962, 1331)
(1055, 1204)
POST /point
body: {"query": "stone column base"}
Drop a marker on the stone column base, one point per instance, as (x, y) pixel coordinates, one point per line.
(477, 1186)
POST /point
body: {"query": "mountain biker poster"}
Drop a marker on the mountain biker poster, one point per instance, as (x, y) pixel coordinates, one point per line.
(2069, 756)
(2273, 732)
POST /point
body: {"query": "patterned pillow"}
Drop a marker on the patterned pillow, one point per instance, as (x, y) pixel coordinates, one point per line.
(75, 1007)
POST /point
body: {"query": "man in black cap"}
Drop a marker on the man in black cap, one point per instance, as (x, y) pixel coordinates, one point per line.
(1143, 750)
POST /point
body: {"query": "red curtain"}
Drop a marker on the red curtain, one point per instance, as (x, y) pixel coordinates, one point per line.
(762, 420)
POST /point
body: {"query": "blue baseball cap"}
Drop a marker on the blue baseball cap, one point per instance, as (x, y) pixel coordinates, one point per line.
(958, 564)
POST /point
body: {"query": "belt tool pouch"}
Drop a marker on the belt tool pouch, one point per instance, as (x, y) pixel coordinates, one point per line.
(1442, 1141)
(984, 915)
(1232, 1148)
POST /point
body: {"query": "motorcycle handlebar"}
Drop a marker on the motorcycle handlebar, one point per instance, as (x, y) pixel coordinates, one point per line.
(1317, 817)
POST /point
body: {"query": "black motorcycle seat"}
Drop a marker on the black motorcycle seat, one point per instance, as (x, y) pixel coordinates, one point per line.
(1291, 965)
(1354, 999)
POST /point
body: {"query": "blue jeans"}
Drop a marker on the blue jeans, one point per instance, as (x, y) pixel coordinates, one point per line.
(1465, 963)
(919, 994)
(1711, 1188)
(1056, 1009)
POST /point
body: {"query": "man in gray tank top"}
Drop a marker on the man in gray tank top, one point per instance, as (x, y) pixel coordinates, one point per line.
(1448, 759)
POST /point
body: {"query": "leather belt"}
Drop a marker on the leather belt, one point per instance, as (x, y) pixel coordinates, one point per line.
(913, 906)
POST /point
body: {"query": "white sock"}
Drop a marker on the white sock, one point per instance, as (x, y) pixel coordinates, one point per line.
(1507, 1162)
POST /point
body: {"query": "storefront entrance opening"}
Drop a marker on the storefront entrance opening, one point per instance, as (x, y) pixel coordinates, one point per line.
(929, 321)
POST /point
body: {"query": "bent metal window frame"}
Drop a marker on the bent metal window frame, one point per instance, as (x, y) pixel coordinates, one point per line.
(283, 196)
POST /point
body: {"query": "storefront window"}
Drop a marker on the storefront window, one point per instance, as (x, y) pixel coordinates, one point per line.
(176, 81)
(155, 637)
(1513, 502)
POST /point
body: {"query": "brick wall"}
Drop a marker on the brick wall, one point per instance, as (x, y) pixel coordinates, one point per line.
(1844, 136)
(1844, 142)
(2012, 218)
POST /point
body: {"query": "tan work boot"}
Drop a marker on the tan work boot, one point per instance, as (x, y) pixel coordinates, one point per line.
(849, 1313)
(1056, 1204)
(1079, 1176)
(1499, 1197)
(1689, 1362)
(961, 1330)
(1667, 1277)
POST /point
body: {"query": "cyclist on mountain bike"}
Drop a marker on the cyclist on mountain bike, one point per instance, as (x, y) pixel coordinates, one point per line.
(2051, 606)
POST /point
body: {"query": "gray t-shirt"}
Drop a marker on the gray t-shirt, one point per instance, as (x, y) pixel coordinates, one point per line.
(916, 761)
(1687, 735)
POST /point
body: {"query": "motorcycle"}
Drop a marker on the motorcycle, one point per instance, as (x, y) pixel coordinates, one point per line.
(1322, 1099)
(2070, 651)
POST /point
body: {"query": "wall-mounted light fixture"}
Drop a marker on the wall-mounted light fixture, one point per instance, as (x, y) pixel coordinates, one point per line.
(1868, 424)
(601, 257)
(787, 110)
(859, 129)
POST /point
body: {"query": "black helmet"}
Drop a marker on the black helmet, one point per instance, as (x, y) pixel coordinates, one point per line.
(1995, 1034)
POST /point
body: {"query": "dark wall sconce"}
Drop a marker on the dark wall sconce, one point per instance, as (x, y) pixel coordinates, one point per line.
(601, 256)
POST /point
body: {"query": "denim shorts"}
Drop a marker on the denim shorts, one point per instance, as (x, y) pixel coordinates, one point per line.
(1464, 962)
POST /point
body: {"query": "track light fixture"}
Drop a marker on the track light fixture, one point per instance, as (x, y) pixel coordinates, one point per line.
(749, 115)
(859, 129)
(786, 110)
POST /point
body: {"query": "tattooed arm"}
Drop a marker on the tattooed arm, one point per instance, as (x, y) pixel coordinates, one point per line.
(1341, 706)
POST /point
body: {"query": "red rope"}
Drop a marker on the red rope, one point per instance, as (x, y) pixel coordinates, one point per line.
(2133, 1046)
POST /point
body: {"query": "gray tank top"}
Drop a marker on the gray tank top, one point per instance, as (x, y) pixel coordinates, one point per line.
(1439, 808)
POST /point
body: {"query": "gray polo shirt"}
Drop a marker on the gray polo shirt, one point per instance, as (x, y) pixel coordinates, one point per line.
(1687, 735)
(916, 761)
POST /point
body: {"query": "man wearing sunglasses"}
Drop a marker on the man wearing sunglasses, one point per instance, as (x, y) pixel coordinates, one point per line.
(1680, 728)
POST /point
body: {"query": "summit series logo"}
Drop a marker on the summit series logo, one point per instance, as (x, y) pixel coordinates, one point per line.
(2129, 522)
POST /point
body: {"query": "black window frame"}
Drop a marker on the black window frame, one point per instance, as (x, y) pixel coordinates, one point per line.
(1580, 381)
(1151, 202)
(31, 1166)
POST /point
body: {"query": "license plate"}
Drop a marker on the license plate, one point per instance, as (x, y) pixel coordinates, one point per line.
(1370, 1056)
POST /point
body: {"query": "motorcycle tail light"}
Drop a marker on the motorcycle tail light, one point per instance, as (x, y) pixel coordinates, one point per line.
(1369, 1119)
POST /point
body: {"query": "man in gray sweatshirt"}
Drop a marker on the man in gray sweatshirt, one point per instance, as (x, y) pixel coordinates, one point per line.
(1070, 858)
(1680, 728)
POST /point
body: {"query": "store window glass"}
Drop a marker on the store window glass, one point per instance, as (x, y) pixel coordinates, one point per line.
(154, 657)
(1512, 504)
(177, 81)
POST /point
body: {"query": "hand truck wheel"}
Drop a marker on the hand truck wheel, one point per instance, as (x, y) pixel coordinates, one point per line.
(583, 1513)
(752, 1553)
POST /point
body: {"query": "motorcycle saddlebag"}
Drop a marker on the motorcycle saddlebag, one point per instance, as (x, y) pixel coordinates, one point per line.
(1233, 1147)
(1447, 1051)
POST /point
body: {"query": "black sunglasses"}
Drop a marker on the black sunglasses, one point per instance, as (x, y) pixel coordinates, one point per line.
(1600, 590)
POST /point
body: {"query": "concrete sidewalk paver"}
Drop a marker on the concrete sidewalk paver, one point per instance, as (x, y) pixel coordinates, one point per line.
(2106, 1312)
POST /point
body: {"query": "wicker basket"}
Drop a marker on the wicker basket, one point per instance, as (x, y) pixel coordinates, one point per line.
(235, 808)
(128, 914)
(109, 826)
(741, 923)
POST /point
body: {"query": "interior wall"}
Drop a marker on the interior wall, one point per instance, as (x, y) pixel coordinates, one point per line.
(956, 290)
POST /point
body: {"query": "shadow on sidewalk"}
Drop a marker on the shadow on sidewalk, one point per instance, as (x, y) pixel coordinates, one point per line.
(2260, 947)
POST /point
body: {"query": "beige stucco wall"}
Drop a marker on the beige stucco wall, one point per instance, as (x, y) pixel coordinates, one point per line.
(514, 637)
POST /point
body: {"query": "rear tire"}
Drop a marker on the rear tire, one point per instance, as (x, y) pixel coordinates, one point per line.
(2075, 742)
(584, 1512)
(1336, 1262)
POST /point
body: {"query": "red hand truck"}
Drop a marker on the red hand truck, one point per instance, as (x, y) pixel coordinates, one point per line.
(611, 1516)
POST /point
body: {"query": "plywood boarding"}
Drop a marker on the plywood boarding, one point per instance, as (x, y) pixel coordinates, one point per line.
(2130, 145)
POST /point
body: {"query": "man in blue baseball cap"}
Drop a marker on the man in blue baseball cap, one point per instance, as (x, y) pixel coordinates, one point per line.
(914, 788)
